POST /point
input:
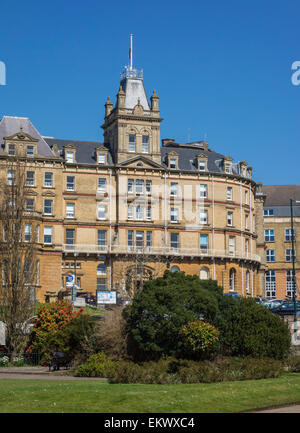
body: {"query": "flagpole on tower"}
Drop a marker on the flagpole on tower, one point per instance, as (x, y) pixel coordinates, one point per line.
(131, 51)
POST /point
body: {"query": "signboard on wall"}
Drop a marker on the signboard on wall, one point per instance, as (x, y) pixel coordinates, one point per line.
(106, 297)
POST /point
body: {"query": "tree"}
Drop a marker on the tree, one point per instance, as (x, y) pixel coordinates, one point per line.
(157, 313)
(17, 256)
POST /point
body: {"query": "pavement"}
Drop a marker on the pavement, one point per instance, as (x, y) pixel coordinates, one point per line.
(40, 373)
(294, 408)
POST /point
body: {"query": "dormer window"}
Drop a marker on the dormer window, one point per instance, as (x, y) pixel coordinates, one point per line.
(173, 163)
(202, 162)
(101, 158)
(145, 144)
(202, 165)
(11, 149)
(228, 168)
(30, 151)
(70, 157)
(132, 142)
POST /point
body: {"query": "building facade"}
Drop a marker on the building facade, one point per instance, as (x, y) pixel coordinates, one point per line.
(278, 239)
(118, 212)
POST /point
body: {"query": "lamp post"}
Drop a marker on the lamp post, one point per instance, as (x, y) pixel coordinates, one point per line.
(293, 271)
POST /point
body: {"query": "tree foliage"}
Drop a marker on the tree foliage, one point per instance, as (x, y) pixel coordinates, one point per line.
(158, 312)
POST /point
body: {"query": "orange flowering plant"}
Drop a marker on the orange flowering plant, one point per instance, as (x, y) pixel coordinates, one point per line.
(51, 319)
(199, 337)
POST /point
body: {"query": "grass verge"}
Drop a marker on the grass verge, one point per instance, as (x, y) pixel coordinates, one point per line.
(49, 396)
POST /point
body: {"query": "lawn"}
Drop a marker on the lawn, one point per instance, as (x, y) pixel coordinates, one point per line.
(32, 395)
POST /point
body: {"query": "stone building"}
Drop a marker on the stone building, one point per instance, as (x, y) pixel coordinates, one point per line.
(278, 239)
(117, 212)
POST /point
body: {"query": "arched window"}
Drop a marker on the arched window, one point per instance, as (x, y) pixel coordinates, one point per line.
(232, 279)
(175, 269)
(204, 273)
(247, 281)
(101, 269)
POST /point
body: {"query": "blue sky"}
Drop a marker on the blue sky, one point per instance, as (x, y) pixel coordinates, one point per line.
(220, 68)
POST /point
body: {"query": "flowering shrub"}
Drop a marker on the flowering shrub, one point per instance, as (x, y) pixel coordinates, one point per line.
(51, 319)
(199, 338)
(4, 361)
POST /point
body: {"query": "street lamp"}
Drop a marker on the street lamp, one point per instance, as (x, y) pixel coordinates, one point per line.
(293, 261)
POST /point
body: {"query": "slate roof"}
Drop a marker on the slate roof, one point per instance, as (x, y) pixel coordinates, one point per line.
(10, 125)
(278, 199)
(280, 195)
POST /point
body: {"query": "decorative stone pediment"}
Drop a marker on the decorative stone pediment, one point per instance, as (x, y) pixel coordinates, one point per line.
(140, 161)
(21, 136)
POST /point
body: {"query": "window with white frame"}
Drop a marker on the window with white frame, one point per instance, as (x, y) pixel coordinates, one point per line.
(48, 179)
(246, 221)
(148, 212)
(28, 233)
(148, 186)
(29, 204)
(130, 238)
(101, 284)
(145, 144)
(289, 283)
(70, 183)
(101, 238)
(174, 189)
(70, 210)
(202, 165)
(269, 235)
(101, 211)
(130, 186)
(174, 214)
(30, 178)
(204, 243)
(48, 207)
(48, 235)
(29, 151)
(229, 218)
(139, 186)
(101, 269)
(246, 246)
(132, 142)
(139, 239)
(101, 158)
(231, 245)
(229, 193)
(173, 163)
(203, 190)
(101, 184)
(247, 282)
(70, 236)
(289, 255)
(288, 235)
(70, 157)
(139, 212)
(228, 168)
(130, 212)
(11, 149)
(232, 279)
(174, 240)
(270, 284)
(270, 255)
(11, 177)
(246, 197)
(203, 216)
(149, 239)
(268, 212)
(204, 273)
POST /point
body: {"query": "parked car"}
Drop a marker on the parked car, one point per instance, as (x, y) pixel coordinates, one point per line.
(124, 301)
(286, 308)
(272, 303)
(233, 294)
(260, 300)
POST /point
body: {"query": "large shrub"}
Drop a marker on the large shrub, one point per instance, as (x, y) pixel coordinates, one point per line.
(158, 312)
(98, 365)
(58, 328)
(248, 329)
(200, 339)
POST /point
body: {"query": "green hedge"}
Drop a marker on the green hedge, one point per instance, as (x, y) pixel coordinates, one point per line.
(173, 371)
